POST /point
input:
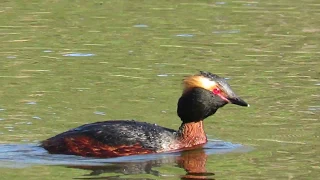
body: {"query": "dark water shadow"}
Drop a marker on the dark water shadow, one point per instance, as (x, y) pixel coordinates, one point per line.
(192, 161)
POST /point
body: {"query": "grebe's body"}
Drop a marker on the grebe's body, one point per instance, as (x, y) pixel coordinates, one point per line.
(203, 94)
(120, 138)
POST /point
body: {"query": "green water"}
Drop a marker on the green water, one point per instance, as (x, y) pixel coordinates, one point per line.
(134, 56)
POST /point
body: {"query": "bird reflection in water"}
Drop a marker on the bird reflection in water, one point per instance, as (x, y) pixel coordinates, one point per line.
(192, 161)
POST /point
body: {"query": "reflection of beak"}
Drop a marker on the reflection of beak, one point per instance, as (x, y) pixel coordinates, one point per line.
(238, 101)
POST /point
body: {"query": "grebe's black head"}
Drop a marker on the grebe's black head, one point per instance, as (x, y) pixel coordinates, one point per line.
(203, 95)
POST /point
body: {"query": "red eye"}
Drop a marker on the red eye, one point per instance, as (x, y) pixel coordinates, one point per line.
(216, 91)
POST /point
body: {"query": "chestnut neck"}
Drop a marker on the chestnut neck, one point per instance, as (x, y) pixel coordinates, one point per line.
(192, 134)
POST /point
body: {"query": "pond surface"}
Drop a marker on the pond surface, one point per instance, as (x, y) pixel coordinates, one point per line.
(19, 156)
(64, 64)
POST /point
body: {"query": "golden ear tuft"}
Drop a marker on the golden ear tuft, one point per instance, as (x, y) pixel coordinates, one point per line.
(198, 81)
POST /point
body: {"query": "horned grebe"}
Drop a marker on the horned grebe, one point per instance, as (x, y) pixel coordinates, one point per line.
(202, 96)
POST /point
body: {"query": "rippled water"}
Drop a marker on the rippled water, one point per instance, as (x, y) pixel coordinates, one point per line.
(31, 155)
(21, 155)
(64, 64)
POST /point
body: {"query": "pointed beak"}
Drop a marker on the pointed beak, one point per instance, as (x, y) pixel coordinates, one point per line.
(238, 101)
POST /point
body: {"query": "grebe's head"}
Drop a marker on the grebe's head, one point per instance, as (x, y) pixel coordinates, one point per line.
(203, 94)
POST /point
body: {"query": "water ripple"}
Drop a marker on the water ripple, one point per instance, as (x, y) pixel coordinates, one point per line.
(31, 103)
(100, 113)
(23, 155)
(227, 32)
(141, 26)
(184, 35)
(36, 117)
(78, 55)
